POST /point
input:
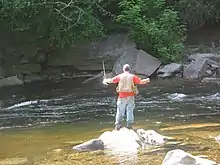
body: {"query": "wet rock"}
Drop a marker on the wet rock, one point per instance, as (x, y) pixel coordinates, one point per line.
(91, 145)
(196, 69)
(198, 56)
(27, 68)
(10, 81)
(211, 80)
(15, 161)
(146, 64)
(128, 57)
(180, 157)
(141, 62)
(123, 141)
(33, 78)
(86, 55)
(170, 70)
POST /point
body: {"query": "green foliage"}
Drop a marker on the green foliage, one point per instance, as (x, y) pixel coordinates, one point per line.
(155, 27)
(60, 22)
(197, 13)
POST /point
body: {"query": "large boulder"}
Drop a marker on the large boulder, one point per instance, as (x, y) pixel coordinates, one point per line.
(180, 157)
(128, 57)
(124, 140)
(141, 62)
(200, 68)
(146, 64)
(88, 55)
(170, 70)
(10, 81)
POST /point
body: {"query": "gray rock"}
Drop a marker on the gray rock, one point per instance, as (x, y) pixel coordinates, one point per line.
(196, 69)
(15, 161)
(201, 55)
(170, 70)
(128, 57)
(146, 64)
(165, 75)
(88, 55)
(180, 157)
(209, 72)
(123, 140)
(10, 81)
(141, 63)
(211, 80)
(27, 68)
(213, 64)
(91, 145)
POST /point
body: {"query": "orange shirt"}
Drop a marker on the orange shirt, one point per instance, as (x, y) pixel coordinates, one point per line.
(136, 80)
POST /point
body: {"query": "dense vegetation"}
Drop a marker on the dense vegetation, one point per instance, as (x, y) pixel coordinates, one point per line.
(158, 26)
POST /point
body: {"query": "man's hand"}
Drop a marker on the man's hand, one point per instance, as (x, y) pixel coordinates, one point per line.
(105, 81)
(145, 81)
(148, 80)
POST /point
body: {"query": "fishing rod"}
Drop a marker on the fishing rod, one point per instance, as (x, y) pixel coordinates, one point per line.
(103, 67)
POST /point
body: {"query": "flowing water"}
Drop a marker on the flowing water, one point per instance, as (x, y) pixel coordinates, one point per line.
(43, 121)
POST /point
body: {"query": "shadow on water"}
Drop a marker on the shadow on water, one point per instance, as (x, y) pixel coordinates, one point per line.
(37, 118)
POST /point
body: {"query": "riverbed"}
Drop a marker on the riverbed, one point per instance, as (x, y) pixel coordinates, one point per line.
(42, 121)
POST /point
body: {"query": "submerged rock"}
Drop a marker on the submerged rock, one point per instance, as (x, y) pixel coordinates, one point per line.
(15, 161)
(180, 157)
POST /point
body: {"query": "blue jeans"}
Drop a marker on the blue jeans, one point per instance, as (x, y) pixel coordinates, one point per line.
(127, 105)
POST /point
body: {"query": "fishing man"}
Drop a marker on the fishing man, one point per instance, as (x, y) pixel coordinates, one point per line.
(127, 90)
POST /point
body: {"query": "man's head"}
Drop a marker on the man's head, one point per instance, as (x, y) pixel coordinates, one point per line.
(126, 68)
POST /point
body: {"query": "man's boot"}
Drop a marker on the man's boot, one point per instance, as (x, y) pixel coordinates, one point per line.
(129, 126)
(118, 127)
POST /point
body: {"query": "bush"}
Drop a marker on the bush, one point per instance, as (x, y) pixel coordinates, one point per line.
(155, 27)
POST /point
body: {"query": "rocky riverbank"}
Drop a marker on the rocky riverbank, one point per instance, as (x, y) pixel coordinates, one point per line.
(18, 65)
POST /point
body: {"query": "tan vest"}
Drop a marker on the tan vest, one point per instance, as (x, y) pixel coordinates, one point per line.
(126, 83)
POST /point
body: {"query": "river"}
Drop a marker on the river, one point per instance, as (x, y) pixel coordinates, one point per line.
(42, 121)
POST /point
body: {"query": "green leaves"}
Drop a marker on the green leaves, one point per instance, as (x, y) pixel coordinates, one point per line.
(155, 27)
(60, 22)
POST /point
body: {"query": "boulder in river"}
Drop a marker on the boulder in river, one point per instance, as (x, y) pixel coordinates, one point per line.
(10, 81)
(124, 140)
(141, 62)
(180, 157)
(170, 70)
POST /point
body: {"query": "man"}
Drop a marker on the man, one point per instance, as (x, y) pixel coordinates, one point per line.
(126, 92)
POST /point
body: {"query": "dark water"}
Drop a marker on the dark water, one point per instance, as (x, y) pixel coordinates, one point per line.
(35, 119)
